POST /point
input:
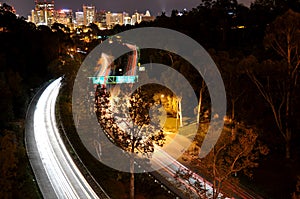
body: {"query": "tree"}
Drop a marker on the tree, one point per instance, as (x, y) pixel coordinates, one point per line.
(6, 103)
(200, 102)
(25, 52)
(278, 5)
(183, 92)
(229, 157)
(126, 119)
(57, 27)
(93, 29)
(8, 164)
(234, 84)
(207, 3)
(6, 7)
(283, 38)
(296, 194)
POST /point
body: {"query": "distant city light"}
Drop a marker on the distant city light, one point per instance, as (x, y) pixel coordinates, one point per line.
(44, 14)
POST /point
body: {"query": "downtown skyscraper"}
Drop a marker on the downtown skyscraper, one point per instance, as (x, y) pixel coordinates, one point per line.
(43, 13)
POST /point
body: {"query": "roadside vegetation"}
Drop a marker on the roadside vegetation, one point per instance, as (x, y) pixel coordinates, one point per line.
(256, 50)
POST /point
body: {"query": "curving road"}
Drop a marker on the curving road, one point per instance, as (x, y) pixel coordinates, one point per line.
(188, 186)
(55, 171)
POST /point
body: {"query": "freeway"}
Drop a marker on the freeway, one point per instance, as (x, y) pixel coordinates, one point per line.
(188, 186)
(55, 171)
(189, 183)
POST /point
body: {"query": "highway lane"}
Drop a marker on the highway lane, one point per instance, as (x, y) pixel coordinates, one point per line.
(55, 171)
(169, 171)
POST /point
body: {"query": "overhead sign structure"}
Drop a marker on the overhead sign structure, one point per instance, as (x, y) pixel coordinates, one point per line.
(114, 79)
(106, 73)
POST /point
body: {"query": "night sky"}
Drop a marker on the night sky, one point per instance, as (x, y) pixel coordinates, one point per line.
(23, 7)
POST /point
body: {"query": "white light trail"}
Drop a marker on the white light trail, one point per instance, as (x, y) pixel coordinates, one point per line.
(169, 171)
(64, 176)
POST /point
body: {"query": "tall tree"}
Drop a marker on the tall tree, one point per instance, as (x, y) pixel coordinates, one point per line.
(8, 164)
(230, 156)
(200, 102)
(127, 120)
(283, 38)
(296, 194)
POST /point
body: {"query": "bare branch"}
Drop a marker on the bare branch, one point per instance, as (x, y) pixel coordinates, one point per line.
(268, 97)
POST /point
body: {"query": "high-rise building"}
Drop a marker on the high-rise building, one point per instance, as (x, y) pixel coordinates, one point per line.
(64, 16)
(88, 15)
(43, 13)
(79, 18)
(136, 18)
(113, 19)
(101, 19)
(127, 20)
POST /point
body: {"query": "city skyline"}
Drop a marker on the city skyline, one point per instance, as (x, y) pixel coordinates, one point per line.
(24, 7)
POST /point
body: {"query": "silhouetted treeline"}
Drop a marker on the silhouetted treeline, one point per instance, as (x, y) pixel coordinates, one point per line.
(257, 75)
(25, 53)
(257, 52)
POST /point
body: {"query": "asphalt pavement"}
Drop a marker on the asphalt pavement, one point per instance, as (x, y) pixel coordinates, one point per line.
(56, 173)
